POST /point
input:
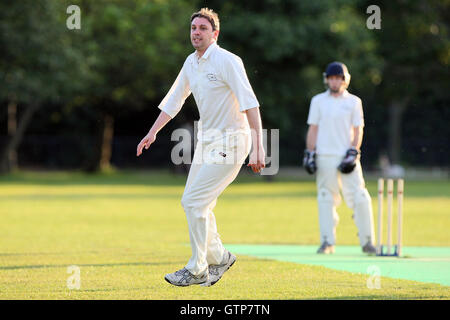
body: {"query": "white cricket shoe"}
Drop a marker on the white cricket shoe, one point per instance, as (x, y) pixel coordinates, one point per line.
(184, 278)
(216, 271)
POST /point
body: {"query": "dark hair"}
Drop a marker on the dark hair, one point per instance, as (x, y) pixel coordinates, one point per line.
(209, 15)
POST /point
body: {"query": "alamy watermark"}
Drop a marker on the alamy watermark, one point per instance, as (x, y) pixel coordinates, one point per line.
(374, 20)
(74, 20)
(74, 280)
(218, 147)
(374, 280)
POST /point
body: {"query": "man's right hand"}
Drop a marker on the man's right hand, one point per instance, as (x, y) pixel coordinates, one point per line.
(309, 161)
(145, 142)
(349, 162)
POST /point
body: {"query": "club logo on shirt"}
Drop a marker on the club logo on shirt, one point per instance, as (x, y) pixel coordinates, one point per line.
(211, 77)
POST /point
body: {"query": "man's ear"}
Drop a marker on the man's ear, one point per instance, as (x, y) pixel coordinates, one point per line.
(216, 34)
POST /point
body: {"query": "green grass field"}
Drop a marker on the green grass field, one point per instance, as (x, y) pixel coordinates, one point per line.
(126, 230)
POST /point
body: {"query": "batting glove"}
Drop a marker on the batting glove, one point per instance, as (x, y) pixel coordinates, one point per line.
(349, 162)
(309, 161)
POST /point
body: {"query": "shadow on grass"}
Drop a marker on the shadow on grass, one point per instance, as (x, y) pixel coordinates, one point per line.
(160, 177)
(123, 177)
(149, 195)
(48, 266)
(64, 178)
(41, 253)
(75, 197)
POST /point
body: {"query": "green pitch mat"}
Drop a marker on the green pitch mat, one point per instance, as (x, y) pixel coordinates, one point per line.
(424, 264)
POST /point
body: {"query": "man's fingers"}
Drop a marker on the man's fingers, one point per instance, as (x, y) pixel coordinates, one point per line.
(255, 167)
(148, 143)
(260, 165)
(139, 148)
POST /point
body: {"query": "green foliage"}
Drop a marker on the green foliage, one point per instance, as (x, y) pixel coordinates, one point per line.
(286, 46)
(36, 62)
(133, 48)
(128, 53)
(414, 43)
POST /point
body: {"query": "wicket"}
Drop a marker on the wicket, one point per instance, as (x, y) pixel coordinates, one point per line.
(390, 198)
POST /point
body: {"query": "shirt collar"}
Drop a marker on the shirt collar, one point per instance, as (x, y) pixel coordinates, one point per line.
(208, 51)
(344, 94)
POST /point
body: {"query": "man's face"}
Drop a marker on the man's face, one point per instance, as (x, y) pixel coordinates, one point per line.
(202, 34)
(336, 83)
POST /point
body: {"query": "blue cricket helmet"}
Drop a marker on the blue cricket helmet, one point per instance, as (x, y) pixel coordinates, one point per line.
(337, 69)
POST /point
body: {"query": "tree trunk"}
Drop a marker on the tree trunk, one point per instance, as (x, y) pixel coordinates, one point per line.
(100, 158)
(12, 128)
(15, 140)
(107, 141)
(396, 110)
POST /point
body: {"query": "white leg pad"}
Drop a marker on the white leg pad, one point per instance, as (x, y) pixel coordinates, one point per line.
(364, 217)
(328, 216)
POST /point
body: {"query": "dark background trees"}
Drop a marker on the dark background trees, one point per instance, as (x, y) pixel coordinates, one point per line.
(83, 98)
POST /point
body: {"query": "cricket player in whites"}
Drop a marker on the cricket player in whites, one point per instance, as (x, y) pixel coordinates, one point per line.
(333, 149)
(229, 126)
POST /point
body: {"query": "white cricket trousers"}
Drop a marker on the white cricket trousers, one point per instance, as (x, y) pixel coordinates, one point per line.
(214, 167)
(329, 182)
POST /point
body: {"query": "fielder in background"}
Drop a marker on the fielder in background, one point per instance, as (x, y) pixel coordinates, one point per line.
(229, 125)
(333, 149)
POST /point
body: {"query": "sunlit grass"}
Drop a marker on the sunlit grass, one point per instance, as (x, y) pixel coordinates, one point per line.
(126, 230)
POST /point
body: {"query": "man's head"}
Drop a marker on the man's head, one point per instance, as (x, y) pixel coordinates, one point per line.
(205, 28)
(337, 77)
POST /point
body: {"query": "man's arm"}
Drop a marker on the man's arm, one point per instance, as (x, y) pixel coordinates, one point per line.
(169, 106)
(160, 122)
(357, 137)
(257, 156)
(311, 137)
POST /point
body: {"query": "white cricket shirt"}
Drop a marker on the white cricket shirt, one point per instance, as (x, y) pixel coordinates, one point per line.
(221, 91)
(335, 117)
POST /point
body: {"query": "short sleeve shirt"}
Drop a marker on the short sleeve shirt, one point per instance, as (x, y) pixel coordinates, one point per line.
(335, 118)
(220, 87)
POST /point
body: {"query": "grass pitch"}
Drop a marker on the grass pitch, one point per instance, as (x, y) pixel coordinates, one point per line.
(126, 230)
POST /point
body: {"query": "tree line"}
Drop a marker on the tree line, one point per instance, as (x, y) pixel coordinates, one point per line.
(112, 73)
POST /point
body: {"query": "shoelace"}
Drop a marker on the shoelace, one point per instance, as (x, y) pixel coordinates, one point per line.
(181, 272)
(185, 275)
(214, 270)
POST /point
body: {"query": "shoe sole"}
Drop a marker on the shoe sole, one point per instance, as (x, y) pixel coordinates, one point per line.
(183, 285)
(214, 282)
(328, 251)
